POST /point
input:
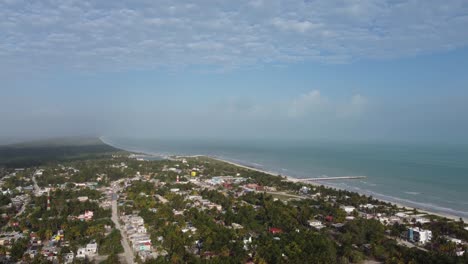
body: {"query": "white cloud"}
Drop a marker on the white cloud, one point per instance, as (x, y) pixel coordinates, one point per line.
(294, 25)
(357, 105)
(310, 106)
(121, 34)
(307, 103)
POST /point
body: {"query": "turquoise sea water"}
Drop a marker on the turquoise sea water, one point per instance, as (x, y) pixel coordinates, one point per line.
(431, 177)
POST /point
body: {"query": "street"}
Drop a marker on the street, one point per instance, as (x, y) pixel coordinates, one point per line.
(128, 253)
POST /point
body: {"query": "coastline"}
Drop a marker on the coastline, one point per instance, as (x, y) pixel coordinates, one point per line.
(293, 179)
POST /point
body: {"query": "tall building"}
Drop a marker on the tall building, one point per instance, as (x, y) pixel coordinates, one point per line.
(419, 235)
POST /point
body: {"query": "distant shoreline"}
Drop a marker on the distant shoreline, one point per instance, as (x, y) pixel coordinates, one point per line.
(293, 179)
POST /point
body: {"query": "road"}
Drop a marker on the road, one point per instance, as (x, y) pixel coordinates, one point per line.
(23, 207)
(284, 194)
(36, 187)
(128, 253)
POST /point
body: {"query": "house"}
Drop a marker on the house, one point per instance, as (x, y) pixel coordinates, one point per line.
(247, 242)
(28, 188)
(304, 190)
(236, 226)
(275, 230)
(316, 224)
(68, 258)
(348, 209)
(87, 216)
(401, 215)
(137, 220)
(454, 240)
(141, 229)
(81, 253)
(88, 251)
(4, 241)
(422, 220)
(83, 198)
(367, 206)
(91, 248)
(146, 246)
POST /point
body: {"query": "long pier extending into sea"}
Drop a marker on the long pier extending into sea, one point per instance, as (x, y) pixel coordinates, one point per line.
(332, 178)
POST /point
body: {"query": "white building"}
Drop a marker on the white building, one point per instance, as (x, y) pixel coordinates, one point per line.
(316, 224)
(422, 220)
(68, 258)
(401, 215)
(419, 235)
(454, 240)
(91, 248)
(88, 251)
(348, 209)
(368, 206)
(83, 198)
(137, 220)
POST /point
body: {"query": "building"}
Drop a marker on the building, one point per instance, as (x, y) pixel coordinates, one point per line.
(83, 198)
(88, 251)
(304, 190)
(68, 258)
(316, 224)
(348, 209)
(418, 235)
(275, 230)
(87, 216)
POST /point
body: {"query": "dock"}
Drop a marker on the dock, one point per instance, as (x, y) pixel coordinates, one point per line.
(332, 178)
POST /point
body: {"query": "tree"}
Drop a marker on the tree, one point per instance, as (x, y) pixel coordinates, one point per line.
(111, 259)
(18, 248)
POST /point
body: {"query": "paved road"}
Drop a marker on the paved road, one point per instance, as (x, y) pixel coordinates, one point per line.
(284, 194)
(128, 253)
(36, 187)
(23, 207)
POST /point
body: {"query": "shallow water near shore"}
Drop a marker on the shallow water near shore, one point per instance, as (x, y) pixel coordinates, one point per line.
(430, 177)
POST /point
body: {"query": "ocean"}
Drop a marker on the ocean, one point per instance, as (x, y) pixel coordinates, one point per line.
(425, 176)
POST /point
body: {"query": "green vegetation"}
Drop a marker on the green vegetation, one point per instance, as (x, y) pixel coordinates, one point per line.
(110, 245)
(39, 153)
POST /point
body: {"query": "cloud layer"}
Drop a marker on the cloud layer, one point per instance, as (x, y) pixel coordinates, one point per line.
(115, 35)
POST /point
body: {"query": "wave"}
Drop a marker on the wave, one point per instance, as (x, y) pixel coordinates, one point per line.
(413, 193)
(421, 205)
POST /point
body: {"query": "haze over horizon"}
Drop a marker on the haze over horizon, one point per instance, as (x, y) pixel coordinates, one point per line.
(315, 70)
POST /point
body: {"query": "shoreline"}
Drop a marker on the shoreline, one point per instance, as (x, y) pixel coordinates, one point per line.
(292, 179)
(295, 180)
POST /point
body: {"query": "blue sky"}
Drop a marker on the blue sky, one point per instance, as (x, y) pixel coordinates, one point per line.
(338, 70)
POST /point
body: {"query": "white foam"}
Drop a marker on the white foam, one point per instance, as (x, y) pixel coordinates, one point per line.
(413, 193)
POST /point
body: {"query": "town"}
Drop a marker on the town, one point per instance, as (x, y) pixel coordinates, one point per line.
(128, 209)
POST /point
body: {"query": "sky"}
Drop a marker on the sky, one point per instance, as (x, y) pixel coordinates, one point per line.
(390, 70)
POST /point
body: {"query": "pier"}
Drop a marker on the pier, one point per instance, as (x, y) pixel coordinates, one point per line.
(333, 178)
